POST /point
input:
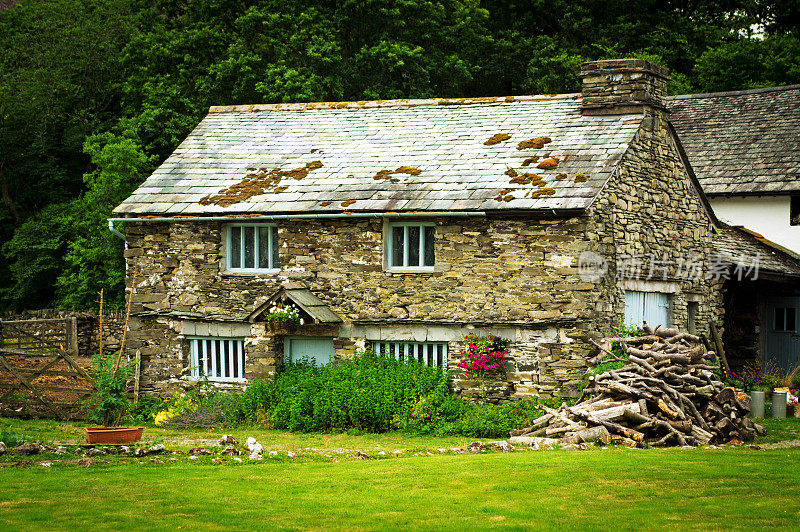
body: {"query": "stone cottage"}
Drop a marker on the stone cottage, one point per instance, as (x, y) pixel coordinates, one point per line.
(400, 226)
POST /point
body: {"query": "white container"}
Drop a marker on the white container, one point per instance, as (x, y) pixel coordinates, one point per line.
(757, 399)
(778, 404)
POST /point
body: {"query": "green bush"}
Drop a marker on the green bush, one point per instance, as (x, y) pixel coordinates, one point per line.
(366, 393)
(146, 408)
(450, 416)
(213, 409)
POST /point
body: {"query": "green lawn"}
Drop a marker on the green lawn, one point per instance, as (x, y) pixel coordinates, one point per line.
(593, 490)
(599, 489)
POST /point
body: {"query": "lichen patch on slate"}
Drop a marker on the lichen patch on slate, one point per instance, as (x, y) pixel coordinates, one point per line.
(497, 138)
(255, 184)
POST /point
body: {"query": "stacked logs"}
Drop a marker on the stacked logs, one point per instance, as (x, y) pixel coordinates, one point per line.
(667, 393)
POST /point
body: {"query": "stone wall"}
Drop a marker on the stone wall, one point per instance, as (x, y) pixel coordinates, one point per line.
(516, 274)
(651, 212)
(88, 329)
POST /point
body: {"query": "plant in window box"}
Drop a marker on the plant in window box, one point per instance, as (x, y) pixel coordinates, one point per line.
(283, 315)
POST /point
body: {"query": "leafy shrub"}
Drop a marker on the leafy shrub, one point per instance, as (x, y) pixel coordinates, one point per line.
(453, 417)
(146, 408)
(109, 405)
(366, 393)
(11, 438)
(215, 409)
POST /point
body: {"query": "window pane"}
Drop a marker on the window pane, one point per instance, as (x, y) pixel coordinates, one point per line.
(276, 261)
(413, 246)
(263, 247)
(429, 254)
(249, 247)
(235, 253)
(779, 323)
(397, 246)
(790, 319)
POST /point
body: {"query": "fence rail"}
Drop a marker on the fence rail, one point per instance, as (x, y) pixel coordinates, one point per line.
(38, 367)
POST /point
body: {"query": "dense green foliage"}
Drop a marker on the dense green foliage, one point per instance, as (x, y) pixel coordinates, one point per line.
(94, 93)
(367, 394)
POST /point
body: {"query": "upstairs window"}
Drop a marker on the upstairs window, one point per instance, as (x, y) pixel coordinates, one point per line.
(252, 248)
(794, 210)
(411, 246)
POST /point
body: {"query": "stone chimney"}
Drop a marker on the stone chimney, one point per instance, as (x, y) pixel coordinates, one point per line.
(622, 86)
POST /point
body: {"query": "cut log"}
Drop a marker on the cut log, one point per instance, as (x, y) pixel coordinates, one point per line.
(612, 427)
(589, 435)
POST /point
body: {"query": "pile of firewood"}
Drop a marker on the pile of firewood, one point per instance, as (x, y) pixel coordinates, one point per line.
(667, 393)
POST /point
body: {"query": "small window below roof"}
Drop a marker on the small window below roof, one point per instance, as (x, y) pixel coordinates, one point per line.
(252, 248)
(794, 211)
(411, 246)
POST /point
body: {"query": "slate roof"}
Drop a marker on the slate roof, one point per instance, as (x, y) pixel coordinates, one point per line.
(399, 155)
(738, 245)
(744, 142)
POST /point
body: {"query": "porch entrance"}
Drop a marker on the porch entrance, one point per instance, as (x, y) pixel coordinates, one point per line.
(782, 334)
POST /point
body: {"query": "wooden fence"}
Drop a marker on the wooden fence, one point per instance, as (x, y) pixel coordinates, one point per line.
(41, 372)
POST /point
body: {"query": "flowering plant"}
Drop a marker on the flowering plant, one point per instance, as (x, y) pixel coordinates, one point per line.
(485, 355)
(754, 377)
(284, 313)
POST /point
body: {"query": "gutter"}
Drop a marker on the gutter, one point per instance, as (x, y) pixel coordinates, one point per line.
(112, 221)
(548, 212)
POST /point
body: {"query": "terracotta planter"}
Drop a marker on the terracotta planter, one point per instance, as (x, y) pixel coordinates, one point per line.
(113, 434)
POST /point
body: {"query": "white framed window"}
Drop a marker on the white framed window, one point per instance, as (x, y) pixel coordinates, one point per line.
(252, 248)
(428, 353)
(218, 359)
(411, 246)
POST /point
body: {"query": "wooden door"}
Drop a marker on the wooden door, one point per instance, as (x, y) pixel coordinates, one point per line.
(783, 336)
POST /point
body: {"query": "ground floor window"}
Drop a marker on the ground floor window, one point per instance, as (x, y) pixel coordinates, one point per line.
(317, 351)
(650, 307)
(428, 353)
(218, 359)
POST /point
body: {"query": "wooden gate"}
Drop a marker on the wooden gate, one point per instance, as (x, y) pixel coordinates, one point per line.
(40, 370)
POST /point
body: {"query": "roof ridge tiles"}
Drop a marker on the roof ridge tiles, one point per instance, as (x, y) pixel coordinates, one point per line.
(381, 104)
(762, 90)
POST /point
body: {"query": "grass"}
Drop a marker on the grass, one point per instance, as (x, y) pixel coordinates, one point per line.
(603, 488)
(61, 433)
(593, 490)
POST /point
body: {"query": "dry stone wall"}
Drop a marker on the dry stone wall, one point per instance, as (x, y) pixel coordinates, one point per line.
(655, 231)
(88, 327)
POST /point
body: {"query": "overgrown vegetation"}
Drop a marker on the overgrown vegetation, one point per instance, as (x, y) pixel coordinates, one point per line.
(94, 94)
(366, 394)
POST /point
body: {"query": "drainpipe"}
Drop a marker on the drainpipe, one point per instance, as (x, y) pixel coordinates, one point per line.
(115, 231)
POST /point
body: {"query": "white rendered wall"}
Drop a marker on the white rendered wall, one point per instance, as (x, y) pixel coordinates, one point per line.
(766, 215)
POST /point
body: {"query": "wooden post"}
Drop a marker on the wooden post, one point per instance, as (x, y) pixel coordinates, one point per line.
(101, 323)
(125, 328)
(720, 350)
(73, 335)
(137, 375)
